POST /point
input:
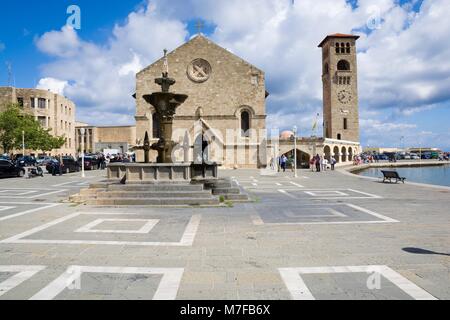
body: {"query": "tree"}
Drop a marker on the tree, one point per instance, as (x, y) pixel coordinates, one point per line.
(13, 121)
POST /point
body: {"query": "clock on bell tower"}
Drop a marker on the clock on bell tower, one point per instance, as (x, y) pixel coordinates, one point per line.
(340, 87)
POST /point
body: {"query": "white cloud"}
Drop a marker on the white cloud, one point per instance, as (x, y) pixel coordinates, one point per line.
(403, 65)
(100, 78)
(54, 85)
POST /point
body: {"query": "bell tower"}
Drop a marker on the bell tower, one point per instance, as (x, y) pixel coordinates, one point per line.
(340, 87)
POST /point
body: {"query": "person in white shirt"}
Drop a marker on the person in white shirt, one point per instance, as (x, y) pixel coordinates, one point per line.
(324, 164)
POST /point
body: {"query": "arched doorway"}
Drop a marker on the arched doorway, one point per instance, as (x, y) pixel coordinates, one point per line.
(344, 154)
(327, 153)
(303, 159)
(201, 153)
(350, 154)
(336, 154)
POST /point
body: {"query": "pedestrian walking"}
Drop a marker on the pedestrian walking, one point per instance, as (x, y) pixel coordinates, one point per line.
(333, 163)
(324, 164)
(318, 163)
(283, 161)
(312, 164)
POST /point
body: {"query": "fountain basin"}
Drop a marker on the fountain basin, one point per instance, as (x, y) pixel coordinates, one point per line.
(147, 173)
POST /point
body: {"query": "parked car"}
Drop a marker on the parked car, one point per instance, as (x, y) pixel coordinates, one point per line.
(90, 162)
(10, 169)
(69, 165)
(43, 161)
(26, 161)
(415, 157)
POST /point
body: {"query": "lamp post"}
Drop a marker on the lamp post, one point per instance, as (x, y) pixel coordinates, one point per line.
(23, 143)
(82, 132)
(295, 151)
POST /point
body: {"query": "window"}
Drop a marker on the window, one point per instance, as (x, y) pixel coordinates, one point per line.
(245, 124)
(337, 48)
(156, 127)
(255, 80)
(345, 124)
(342, 47)
(42, 121)
(348, 47)
(339, 137)
(20, 102)
(32, 103)
(42, 103)
(343, 65)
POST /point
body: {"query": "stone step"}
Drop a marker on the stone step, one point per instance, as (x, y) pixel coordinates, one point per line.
(156, 188)
(88, 192)
(236, 197)
(154, 194)
(224, 191)
(153, 202)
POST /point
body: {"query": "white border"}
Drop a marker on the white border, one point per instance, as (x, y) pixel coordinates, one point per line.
(45, 206)
(23, 273)
(187, 239)
(299, 291)
(311, 192)
(167, 289)
(258, 221)
(146, 228)
(31, 190)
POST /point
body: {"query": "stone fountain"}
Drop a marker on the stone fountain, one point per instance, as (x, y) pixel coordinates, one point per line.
(165, 169)
(165, 182)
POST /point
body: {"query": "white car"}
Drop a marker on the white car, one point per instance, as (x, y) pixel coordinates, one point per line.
(415, 157)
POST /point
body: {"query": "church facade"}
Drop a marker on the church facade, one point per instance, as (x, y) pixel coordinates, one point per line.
(226, 108)
(225, 114)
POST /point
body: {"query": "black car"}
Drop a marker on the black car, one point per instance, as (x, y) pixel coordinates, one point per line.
(69, 165)
(90, 162)
(26, 161)
(9, 169)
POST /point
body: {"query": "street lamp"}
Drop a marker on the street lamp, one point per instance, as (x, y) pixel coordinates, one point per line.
(83, 132)
(23, 143)
(295, 151)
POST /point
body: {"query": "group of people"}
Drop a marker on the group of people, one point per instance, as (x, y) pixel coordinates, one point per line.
(318, 163)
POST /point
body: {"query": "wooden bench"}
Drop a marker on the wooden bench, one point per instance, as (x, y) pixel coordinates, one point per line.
(389, 175)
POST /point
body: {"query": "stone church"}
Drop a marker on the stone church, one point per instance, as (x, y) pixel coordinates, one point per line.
(225, 114)
(225, 111)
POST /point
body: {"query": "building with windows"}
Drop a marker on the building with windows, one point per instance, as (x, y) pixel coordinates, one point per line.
(98, 139)
(53, 111)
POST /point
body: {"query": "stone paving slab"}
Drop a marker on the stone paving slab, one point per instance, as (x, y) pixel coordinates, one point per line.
(230, 256)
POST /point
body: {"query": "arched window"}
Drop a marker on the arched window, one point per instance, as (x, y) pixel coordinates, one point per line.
(337, 48)
(342, 47)
(343, 65)
(245, 123)
(156, 127)
(348, 47)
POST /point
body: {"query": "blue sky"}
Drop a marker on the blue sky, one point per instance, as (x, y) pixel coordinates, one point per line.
(404, 75)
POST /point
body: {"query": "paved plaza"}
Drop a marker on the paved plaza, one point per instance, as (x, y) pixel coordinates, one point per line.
(318, 236)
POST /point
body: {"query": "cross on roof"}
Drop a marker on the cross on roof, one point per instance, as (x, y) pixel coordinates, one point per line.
(200, 26)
